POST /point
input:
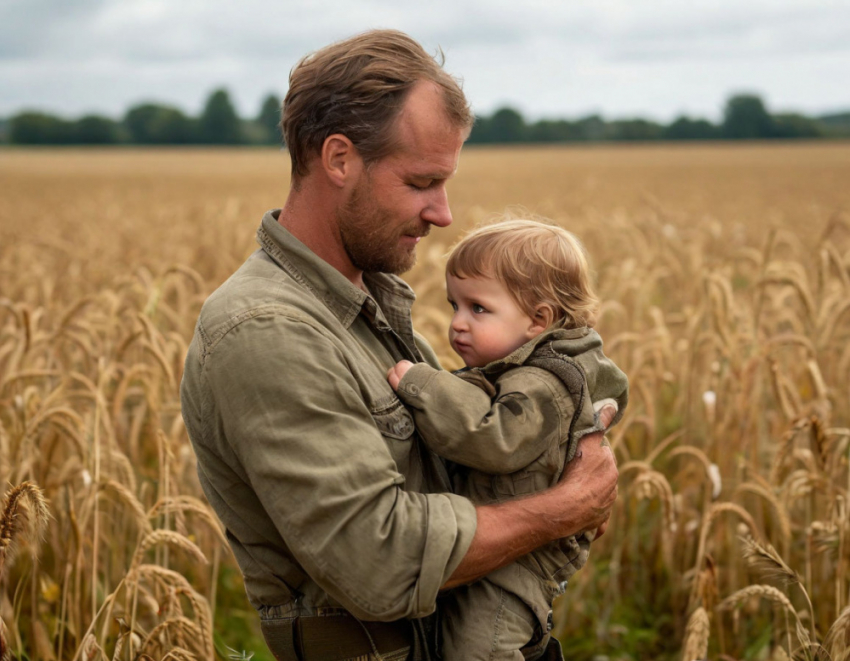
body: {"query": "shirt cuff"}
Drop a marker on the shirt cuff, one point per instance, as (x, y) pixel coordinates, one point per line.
(415, 380)
(452, 524)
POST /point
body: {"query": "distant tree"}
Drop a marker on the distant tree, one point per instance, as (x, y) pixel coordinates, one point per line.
(219, 124)
(172, 127)
(592, 127)
(835, 125)
(153, 124)
(793, 125)
(95, 130)
(746, 117)
(269, 118)
(505, 125)
(139, 122)
(633, 129)
(549, 130)
(480, 130)
(685, 128)
(36, 128)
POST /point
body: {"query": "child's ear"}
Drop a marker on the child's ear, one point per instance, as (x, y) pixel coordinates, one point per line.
(543, 317)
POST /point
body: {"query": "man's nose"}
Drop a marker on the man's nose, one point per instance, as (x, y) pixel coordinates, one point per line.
(437, 212)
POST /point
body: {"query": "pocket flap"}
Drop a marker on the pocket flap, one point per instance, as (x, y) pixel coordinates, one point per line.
(395, 422)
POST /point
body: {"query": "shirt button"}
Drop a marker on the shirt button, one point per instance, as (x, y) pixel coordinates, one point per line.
(413, 389)
(403, 427)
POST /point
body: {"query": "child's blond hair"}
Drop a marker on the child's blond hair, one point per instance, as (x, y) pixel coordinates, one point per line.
(538, 263)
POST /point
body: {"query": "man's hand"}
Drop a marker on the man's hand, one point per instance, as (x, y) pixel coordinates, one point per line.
(580, 502)
(397, 371)
(594, 471)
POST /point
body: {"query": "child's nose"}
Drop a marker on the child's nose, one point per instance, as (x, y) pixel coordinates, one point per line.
(459, 323)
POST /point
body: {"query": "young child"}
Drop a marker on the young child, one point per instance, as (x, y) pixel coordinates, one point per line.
(535, 377)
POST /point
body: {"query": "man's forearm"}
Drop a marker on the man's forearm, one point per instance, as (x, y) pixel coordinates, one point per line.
(504, 533)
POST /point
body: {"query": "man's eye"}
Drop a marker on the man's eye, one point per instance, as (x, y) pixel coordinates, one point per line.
(478, 309)
(421, 185)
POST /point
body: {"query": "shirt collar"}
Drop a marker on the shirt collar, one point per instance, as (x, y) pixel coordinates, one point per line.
(391, 298)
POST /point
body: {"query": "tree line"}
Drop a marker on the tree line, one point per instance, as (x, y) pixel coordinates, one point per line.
(153, 124)
(745, 116)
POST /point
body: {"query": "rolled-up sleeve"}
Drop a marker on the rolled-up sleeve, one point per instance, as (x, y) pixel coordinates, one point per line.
(294, 414)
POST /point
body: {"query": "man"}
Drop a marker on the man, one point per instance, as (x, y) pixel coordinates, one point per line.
(340, 519)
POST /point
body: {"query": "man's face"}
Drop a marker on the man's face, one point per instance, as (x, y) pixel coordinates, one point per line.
(398, 198)
(377, 237)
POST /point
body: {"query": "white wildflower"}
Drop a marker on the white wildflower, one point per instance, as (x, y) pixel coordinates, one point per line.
(709, 398)
(716, 482)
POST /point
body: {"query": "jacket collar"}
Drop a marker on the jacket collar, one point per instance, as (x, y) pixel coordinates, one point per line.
(390, 300)
(569, 341)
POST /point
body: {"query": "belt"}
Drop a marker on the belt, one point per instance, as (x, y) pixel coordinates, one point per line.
(336, 638)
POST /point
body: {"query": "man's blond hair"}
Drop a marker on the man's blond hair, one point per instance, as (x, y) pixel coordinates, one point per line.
(357, 88)
(538, 263)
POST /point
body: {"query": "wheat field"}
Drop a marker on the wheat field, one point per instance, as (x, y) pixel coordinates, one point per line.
(724, 272)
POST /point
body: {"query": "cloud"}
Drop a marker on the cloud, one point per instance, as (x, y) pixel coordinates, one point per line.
(542, 56)
(27, 27)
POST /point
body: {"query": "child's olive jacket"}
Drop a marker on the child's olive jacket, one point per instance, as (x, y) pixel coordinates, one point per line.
(511, 427)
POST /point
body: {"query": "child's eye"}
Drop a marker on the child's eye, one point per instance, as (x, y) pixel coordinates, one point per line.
(454, 305)
(478, 309)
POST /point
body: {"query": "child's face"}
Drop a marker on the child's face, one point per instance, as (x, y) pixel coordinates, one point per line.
(487, 323)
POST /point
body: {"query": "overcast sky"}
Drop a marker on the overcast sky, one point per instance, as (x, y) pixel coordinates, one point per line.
(567, 58)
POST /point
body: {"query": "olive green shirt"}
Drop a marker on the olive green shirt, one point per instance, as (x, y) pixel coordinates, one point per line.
(328, 496)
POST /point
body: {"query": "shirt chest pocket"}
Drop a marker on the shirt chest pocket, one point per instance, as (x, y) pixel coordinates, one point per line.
(395, 424)
(394, 421)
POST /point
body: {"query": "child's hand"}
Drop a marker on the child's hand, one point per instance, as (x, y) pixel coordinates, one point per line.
(396, 372)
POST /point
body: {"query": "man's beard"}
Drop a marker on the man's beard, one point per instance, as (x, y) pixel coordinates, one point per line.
(369, 236)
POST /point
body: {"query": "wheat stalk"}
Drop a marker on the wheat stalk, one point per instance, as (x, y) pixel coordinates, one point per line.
(158, 636)
(780, 511)
(713, 512)
(183, 504)
(764, 558)
(5, 652)
(123, 494)
(202, 614)
(178, 654)
(696, 636)
(837, 641)
(24, 514)
(171, 538)
(761, 591)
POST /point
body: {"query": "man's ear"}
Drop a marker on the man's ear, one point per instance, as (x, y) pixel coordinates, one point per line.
(340, 160)
(543, 317)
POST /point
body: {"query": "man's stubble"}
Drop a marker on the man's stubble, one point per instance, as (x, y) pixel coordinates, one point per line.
(370, 235)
